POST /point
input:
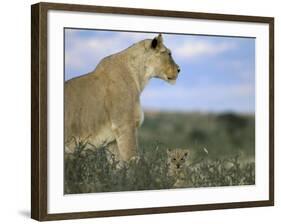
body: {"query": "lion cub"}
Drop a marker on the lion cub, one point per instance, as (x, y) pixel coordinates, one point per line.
(177, 163)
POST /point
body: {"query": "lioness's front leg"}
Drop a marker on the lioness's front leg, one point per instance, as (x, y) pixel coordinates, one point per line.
(126, 137)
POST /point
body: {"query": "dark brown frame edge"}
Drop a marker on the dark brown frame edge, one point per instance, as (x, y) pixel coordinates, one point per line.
(39, 110)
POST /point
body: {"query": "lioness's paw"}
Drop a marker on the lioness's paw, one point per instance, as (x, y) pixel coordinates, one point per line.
(121, 165)
(135, 160)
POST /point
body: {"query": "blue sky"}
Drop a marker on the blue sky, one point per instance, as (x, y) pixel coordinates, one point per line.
(217, 73)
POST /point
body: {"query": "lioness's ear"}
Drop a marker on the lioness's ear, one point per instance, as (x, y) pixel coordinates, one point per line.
(157, 41)
(160, 39)
(154, 43)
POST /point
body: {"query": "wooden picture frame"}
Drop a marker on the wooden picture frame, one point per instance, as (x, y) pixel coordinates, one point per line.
(39, 110)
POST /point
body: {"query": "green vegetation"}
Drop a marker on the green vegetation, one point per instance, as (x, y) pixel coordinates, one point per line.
(229, 139)
(224, 135)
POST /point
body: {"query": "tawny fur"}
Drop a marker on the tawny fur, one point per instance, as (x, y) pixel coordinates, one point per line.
(178, 161)
(103, 106)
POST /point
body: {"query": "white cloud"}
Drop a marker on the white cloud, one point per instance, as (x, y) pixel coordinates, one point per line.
(85, 50)
(194, 49)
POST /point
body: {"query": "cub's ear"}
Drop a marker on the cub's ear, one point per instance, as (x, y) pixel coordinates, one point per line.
(186, 153)
(157, 41)
(169, 150)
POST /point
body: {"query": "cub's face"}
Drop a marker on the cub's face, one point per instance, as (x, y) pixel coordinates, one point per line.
(177, 158)
(161, 62)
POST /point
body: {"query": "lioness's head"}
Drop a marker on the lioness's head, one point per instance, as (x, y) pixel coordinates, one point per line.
(161, 62)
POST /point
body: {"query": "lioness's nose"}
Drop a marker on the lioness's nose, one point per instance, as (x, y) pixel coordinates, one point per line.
(179, 69)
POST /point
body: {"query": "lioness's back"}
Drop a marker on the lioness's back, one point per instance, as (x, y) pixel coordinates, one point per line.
(84, 98)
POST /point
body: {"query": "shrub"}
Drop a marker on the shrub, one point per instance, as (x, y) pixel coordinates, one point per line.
(96, 170)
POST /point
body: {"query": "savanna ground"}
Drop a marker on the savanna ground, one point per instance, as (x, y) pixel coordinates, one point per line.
(228, 158)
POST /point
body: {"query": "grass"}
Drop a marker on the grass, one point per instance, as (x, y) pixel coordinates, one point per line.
(224, 135)
(90, 171)
(229, 139)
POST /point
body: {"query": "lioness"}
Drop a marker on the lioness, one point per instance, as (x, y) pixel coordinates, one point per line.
(103, 106)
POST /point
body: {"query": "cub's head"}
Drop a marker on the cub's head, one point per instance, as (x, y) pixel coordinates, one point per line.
(160, 61)
(177, 158)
